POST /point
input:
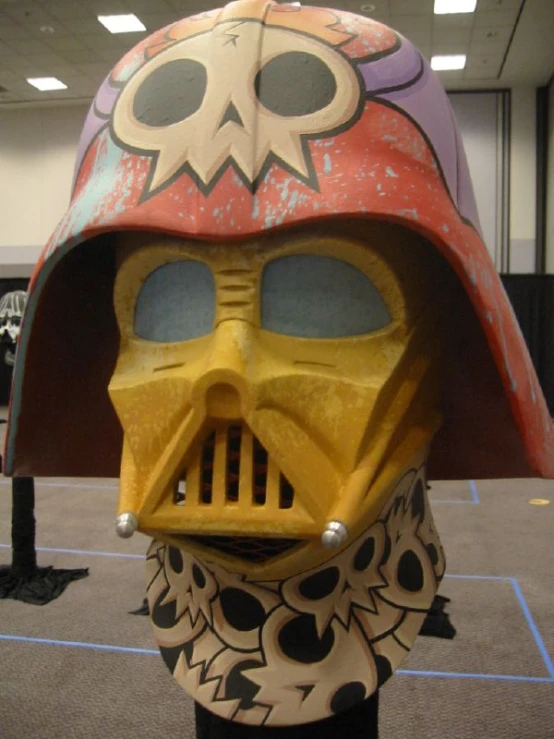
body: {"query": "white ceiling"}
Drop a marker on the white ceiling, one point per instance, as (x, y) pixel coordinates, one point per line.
(508, 42)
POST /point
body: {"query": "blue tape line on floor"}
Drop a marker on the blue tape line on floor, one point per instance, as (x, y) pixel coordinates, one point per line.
(474, 493)
(86, 486)
(137, 650)
(79, 644)
(86, 552)
(474, 676)
(534, 630)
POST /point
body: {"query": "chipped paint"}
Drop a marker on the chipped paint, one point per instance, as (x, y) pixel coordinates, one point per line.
(255, 207)
(409, 213)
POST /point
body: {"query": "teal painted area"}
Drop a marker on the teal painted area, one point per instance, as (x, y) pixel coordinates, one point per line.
(104, 195)
(130, 67)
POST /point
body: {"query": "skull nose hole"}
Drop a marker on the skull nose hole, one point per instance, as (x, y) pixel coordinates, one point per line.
(223, 401)
(231, 115)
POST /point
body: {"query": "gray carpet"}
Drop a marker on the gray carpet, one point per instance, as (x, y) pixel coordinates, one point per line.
(77, 691)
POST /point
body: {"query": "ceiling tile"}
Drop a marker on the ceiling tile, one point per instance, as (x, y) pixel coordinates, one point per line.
(484, 64)
(485, 5)
(483, 73)
(29, 46)
(486, 34)
(6, 50)
(69, 43)
(46, 60)
(494, 18)
(84, 27)
(9, 97)
(109, 7)
(65, 69)
(488, 49)
(12, 31)
(438, 47)
(101, 40)
(453, 36)
(407, 23)
(16, 63)
(69, 10)
(453, 22)
(457, 74)
(80, 56)
(95, 70)
(155, 21)
(54, 29)
(411, 7)
(164, 7)
(8, 78)
(112, 56)
(26, 13)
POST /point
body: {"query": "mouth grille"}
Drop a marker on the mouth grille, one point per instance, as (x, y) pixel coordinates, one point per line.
(251, 549)
(232, 467)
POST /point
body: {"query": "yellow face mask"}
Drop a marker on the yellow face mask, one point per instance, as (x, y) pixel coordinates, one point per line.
(272, 392)
(278, 398)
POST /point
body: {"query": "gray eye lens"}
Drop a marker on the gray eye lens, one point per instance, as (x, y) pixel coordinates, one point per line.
(176, 303)
(319, 297)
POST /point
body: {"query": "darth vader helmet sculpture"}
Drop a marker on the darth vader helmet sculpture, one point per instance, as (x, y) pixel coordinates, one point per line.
(284, 321)
(12, 307)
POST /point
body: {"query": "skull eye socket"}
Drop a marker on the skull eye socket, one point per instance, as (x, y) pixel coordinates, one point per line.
(319, 297)
(295, 84)
(176, 303)
(171, 93)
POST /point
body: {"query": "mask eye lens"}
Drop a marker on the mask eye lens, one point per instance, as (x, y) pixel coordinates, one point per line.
(320, 298)
(176, 303)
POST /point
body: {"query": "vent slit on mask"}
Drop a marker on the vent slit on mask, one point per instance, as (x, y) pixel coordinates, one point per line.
(260, 474)
(233, 463)
(207, 469)
(232, 467)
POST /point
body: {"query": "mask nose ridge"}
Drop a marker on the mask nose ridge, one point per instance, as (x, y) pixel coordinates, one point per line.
(222, 387)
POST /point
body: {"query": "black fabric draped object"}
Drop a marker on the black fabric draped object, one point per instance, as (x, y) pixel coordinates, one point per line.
(532, 298)
(24, 580)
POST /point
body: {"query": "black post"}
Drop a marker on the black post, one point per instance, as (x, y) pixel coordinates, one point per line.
(24, 555)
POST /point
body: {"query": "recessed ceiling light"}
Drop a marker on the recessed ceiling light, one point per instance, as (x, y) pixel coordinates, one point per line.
(448, 62)
(443, 7)
(121, 23)
(46, 83)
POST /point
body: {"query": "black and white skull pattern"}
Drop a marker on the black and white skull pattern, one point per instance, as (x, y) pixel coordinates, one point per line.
(312, 645)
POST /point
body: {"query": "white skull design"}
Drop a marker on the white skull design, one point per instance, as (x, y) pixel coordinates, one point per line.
(197, 109)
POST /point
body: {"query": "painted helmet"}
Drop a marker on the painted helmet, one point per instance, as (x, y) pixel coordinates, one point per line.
(272, 258)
